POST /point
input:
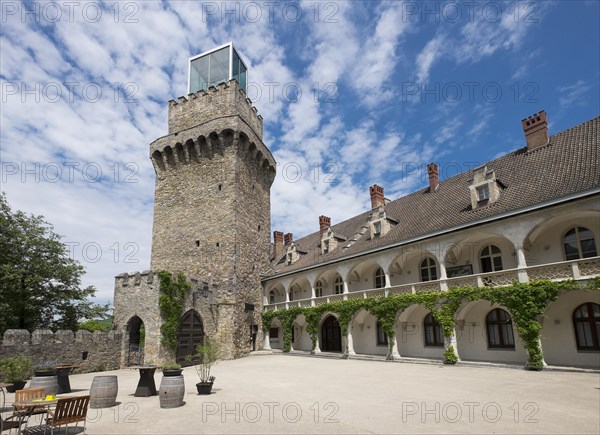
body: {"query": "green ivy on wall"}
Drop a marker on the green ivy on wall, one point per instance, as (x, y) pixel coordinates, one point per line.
(526, 302)
(171, 302)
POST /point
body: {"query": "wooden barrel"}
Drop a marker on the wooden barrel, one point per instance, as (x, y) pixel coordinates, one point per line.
(103, 393)
(48, 383)
(172, 389)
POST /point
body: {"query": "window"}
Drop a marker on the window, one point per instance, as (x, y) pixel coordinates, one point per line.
(291, 294)
(491, 259)
(377, 229)
(338, 286)
(428, 270)
(483, 193)
(379, 278)
(289, 258)
(433, 331)
(274, 333)
(579, 243)
(586, 321)
(319, 289)
(271, 297)
(382, 339)
(499, 329)
(325, 246)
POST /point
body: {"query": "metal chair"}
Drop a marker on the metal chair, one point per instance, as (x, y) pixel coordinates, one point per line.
(5, 424)
(67, 411)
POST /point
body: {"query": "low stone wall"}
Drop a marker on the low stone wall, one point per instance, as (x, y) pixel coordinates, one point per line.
(101, 350)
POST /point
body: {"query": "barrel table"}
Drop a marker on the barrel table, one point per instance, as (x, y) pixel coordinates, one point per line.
(103, 393)
(172, 389)
(63, 372)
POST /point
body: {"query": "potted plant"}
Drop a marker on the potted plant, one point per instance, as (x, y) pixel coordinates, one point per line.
(44, 369)
(17, 370)
(172, 369)
(206, 355)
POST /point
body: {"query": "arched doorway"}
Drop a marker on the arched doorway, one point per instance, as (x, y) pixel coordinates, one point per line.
(331, 335)
(191, 334)
(135, 347)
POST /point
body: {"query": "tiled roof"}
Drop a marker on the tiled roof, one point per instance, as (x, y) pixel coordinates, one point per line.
(569, 164)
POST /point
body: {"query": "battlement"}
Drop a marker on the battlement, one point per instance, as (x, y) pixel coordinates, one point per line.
(91, 351)
(227, 99)
(136, 278)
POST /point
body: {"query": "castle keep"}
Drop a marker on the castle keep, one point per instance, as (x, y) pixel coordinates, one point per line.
(211, 219)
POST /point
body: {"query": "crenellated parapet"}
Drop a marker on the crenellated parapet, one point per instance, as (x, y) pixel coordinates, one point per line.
(224, 100)
(91, 351)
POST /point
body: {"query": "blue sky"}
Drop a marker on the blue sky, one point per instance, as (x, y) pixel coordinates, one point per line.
(351, 94)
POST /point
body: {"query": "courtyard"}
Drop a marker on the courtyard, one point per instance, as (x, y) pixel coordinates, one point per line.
(299, 394)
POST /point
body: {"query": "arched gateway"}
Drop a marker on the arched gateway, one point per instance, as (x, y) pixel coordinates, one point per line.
(331, 335)
(191, 334)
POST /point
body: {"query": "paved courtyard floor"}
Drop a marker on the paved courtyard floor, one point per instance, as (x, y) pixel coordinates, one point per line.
(293, 394)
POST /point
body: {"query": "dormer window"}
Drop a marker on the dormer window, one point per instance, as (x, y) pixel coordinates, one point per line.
(483, 193)
(485, 188)
(376, 229)
(325, 246)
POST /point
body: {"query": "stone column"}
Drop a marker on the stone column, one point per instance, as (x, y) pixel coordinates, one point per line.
(521, 264)
(451, 341)
(393, 353)
(317, 347)
(267, 345)
(443, 276)
(349, 351)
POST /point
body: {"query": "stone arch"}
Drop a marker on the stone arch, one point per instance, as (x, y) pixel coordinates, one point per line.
(301, 337)
(468, 251)
(157, 159)
(227, 136)
(170, 156)
(215, 142)
(191, 334)
(134, 340)
(405, 267)
(191, 150)
(206, 149)
(179, 153)
(361, 276)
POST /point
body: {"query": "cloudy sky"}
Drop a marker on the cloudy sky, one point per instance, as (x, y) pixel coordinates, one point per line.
(351, 93)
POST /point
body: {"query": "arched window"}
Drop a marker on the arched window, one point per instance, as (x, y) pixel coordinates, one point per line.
(586, 320)
(491, 259)
(579, 243)
(338, 285)
(434, 336)
(272, 297)
(428, 270)
(499, 329)
(319, 289)
(379, 278)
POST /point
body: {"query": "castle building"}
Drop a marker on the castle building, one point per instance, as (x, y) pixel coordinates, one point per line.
(211, 218)
(531, 214)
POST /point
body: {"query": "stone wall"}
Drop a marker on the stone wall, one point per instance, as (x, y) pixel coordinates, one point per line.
(65, 347)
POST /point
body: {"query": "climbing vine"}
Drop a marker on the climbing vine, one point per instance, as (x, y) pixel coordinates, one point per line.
(526, 302)
(171, 302)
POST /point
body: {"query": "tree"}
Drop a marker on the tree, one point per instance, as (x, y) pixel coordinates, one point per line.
(40, 285)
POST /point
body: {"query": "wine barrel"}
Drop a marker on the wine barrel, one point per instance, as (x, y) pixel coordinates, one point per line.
(172, 389)
(48, 383)
(103, 393)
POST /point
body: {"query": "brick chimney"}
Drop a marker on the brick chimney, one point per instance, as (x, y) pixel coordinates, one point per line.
(324, 223)
(535, 128)
(278, 238)
(288, 239)
(377, 199)
(434, 181)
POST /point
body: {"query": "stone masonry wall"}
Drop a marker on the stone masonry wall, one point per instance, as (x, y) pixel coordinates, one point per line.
(65, 347)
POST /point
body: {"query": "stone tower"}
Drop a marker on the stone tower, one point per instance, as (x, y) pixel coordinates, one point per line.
(211, 213)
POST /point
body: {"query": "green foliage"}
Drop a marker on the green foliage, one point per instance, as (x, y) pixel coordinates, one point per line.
(207, 355)
(171, 366)
(526, 302)
(17, 368)
(171, 302)
(449, 356)
(40, 282)
(104, 325)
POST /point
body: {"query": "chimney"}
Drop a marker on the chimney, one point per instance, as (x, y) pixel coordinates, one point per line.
(278, 237)
(434, 181)
(535, 128)
(324, 223)
(288, 239)
(377, 199)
